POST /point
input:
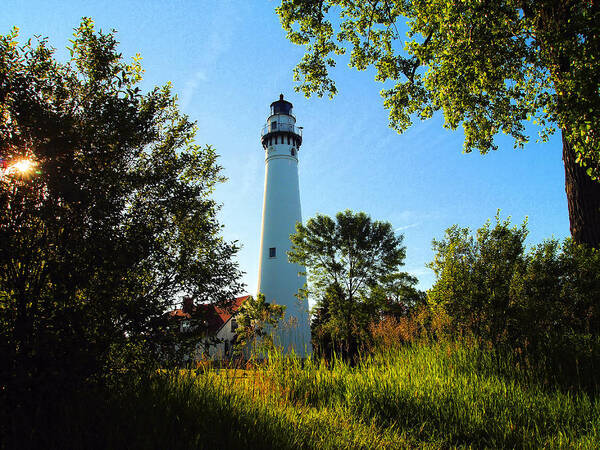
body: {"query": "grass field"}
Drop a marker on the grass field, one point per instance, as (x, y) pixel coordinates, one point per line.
(425, 396)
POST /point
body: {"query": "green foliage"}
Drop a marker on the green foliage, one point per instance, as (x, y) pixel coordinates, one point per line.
(544, 302)
(350, 262)
(256, 321)
(491, 66)
(116, 221)
(441, 395)
(396, 294)
(448, 394)
(560, 286)
(473, 275)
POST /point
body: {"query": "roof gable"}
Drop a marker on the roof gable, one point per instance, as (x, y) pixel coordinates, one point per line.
(215, 316)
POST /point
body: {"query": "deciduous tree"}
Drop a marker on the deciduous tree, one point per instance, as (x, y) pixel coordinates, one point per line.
(348, 261)
(488, 65)
(474, 276)
(114, 222)
(256, 320)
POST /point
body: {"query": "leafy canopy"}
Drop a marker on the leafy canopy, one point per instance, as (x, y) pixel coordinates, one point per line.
(352, 261)
(489, 284)
(115, 221)
(352, 252)
(488, 65)
(474, 274)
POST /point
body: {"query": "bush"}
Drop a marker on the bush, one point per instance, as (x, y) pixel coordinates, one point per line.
(544, 303)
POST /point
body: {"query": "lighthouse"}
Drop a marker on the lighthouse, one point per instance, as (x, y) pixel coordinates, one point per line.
(278, 279)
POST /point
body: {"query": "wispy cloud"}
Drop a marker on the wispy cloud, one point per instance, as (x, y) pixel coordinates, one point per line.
(220, 37)
(406, 227)
(412, 218)
(191, 86)
(419, 271)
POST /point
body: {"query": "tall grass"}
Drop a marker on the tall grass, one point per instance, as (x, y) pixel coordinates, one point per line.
(448, 394)
(422, 395)
(187, 410)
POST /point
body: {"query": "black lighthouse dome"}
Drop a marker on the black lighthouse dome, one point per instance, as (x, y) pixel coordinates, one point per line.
(281, 106)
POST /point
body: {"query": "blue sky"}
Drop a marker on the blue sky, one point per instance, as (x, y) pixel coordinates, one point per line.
(228, 60)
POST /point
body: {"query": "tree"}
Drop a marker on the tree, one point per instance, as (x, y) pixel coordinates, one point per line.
(491, 286)
(397, 296)
(115, 221)
(490, 65)
(256, 320)
(347, 261)
(474, 276)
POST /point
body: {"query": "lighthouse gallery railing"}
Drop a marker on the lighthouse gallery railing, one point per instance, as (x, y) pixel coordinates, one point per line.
(271, 128)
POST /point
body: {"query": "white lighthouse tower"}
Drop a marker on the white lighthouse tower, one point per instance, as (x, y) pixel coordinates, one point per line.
(278, 279)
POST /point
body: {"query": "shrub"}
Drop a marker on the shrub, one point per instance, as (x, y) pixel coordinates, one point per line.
(545, 303)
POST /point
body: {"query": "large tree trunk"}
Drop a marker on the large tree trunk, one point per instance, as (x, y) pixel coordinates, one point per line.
(583, 197)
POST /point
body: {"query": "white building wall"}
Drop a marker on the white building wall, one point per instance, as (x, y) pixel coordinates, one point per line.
(225, 335)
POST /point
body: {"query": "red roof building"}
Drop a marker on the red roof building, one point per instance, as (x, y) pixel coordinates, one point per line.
(219, 322)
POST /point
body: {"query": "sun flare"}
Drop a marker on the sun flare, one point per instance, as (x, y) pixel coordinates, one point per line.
(23, 166)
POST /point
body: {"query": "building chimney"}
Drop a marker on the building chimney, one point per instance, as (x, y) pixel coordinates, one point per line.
(188, 304)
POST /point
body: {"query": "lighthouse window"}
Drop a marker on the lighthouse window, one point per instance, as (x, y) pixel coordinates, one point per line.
(273, 125)
(272, 252)
(293, 152)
